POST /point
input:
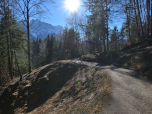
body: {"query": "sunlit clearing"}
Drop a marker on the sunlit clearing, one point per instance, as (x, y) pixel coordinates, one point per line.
(72, 5)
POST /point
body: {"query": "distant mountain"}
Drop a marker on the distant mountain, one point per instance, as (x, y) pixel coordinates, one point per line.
(40, 29)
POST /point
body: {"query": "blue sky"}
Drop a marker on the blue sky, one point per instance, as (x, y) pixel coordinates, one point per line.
(58, 14)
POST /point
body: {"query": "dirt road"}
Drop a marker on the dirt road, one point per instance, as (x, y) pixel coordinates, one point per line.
(131, 94)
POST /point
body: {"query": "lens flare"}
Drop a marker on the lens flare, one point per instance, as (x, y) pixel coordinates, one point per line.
(72, 5)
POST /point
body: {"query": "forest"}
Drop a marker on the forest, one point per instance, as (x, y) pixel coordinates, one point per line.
(85, 34)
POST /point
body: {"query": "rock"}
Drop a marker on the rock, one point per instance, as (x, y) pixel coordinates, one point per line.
(15, 94)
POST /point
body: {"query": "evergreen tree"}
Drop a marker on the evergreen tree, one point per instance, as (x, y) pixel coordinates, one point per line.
(50, 48)
(35, 53)
(98, 22)
(12, 46)
(114, 39)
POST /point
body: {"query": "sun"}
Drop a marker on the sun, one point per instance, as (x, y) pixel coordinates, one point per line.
(72, 5)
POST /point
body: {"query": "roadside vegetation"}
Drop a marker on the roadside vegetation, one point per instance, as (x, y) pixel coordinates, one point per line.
(137, 57)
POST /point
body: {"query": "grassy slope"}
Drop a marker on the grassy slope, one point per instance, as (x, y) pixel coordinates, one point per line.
(137, 57)
(54, 89)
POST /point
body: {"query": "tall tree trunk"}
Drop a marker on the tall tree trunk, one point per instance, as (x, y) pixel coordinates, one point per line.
(128, 21)
(28, 35)
(17, 66)
(9, 56)
(138, 33)
(104, 44)
(143, 37)
(107, 27)
(148, 17)
(104, 37)
(151, 19)
(129, 27)
(9, 50)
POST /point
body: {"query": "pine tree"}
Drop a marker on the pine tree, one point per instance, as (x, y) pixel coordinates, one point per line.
(50, 48)
(114, 39)
(98, 22)
(12, 43)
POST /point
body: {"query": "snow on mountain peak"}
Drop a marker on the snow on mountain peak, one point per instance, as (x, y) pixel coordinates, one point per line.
(40, 29)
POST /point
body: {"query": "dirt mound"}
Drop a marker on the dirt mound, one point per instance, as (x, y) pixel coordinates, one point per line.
(60, 87)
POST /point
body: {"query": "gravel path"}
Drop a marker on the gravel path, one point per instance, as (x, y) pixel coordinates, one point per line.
(131, 94)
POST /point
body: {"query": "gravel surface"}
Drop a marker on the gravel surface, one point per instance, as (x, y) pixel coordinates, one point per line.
(131, 93)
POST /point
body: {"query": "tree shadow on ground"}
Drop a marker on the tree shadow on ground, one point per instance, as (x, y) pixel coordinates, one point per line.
(49, 80)
(46, 87)
(123, 71)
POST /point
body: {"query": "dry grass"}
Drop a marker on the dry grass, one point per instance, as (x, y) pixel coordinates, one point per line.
(76, 98)
(61, 88)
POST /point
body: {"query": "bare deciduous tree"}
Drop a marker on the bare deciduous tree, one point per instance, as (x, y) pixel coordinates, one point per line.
(27, 9)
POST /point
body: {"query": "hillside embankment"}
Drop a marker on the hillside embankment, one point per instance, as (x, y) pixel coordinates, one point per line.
(137, 57)
(131, 93)
(57, 88)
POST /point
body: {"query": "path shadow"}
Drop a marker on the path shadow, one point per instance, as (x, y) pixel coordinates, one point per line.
(126, 71)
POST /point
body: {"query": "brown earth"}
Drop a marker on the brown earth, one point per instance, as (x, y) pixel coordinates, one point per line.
(57, 88)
